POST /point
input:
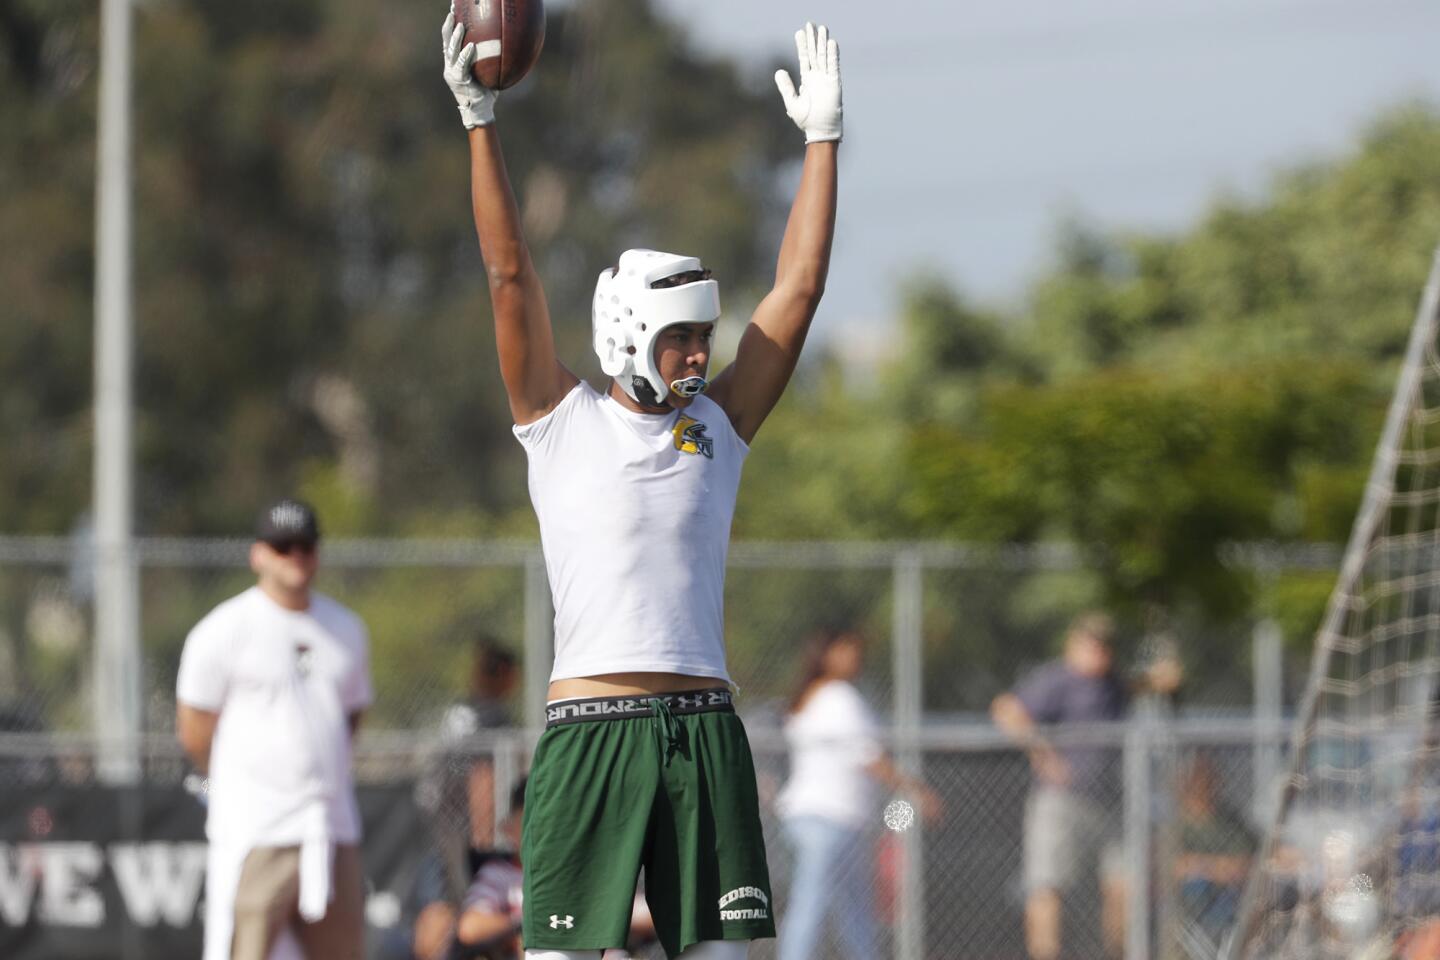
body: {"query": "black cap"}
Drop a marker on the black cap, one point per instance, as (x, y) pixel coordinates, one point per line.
(288, 520)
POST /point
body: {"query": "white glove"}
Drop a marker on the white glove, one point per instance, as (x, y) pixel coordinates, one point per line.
(477, 104)
(816, 108)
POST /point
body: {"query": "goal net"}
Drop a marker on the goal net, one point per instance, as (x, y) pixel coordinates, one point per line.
(1350, 868)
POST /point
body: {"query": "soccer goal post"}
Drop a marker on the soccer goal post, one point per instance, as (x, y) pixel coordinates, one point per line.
(1350, 865)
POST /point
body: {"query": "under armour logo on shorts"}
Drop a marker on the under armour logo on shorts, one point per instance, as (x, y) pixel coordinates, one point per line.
(556, 922)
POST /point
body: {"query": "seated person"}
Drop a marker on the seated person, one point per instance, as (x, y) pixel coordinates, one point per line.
(1215, 851)
(488, 924)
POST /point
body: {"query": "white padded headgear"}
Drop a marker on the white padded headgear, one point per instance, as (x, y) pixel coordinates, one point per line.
(628, 314)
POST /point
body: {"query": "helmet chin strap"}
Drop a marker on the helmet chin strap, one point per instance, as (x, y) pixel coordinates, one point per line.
(689, 386)
(644, 393)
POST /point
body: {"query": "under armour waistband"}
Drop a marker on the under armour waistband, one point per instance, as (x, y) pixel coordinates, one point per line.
(629, 707)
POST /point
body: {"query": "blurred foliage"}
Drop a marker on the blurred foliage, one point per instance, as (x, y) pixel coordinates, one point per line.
(311, 315)
(1155, 398)
(310, 301)
(1150, 473)
(1161, 396)
(824, 466)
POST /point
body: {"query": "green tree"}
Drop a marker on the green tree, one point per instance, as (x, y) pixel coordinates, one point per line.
(310, 306)
(310, 298)
(1223, 384)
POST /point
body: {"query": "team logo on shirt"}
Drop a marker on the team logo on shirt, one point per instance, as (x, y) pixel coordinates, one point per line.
(690, 437)
(303, 658)
(745, 913)
(557, 921)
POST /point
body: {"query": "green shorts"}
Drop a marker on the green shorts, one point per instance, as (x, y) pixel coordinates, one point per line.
(663, 782)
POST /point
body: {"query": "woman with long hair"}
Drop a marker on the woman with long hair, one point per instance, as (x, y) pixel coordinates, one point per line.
(828, 806)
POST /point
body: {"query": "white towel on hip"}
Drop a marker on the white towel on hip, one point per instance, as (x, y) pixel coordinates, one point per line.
(317, 855)
(222, 882)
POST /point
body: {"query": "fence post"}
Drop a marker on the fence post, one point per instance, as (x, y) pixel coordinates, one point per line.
(117, 660)
(539, 651)
(503, 759)
(1138, 740)
(1269, 665)
(906, 708)
(1163, 836)
(115, 666)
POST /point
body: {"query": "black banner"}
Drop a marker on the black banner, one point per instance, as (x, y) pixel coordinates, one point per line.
(97, 873)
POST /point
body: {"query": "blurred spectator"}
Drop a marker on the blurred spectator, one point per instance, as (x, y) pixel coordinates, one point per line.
(494, 676)
(271, 689)
(459, 791)
(487, 924)
(494, 673)
(1072, 823)
(1417, 859)
(1214, 854)
(829, 805)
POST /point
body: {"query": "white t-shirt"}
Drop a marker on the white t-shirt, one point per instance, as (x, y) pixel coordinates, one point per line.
(284, 683)
(833, 738)
(635, 512)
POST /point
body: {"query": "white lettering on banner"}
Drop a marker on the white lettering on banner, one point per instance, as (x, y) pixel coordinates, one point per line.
(159, 881)
(67, 898)
(19, 876)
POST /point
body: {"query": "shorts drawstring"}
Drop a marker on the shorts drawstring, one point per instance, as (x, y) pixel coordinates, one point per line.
(667, 726)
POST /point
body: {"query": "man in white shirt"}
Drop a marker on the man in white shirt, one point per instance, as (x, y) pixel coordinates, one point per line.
(271, 689)
(643, 762)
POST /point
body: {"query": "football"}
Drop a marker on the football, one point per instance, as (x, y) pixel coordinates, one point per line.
(507, 34)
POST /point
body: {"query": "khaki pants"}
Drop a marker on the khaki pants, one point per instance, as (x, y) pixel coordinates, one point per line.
(1067, 837)
(267, 901)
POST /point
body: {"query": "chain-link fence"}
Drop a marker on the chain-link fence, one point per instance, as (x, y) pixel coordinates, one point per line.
(947, 628)
(1179, 834)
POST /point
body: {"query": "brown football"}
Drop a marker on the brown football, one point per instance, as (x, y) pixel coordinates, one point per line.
(507, 34)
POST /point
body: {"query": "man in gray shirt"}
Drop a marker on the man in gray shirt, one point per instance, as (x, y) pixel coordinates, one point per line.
(1071, 817)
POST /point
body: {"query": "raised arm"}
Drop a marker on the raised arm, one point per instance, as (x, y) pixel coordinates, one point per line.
(535, 381)
(770, 347)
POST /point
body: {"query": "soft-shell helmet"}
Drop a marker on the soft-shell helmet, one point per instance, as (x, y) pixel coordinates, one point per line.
(634, 303)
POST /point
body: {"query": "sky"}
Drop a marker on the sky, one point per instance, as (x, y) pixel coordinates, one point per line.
(972, 129)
